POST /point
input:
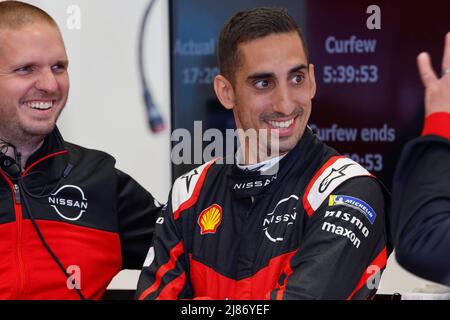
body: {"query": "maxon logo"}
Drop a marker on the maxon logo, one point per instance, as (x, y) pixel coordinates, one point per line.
(69, 202)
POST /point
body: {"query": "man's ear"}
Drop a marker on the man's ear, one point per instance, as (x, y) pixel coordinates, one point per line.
(312, 81)
(224, 91)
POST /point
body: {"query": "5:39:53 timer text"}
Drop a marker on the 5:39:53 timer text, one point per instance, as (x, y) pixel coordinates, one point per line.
(350, 74)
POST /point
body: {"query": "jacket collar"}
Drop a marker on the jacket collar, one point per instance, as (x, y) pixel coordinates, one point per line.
(46, 167)
(53, 143)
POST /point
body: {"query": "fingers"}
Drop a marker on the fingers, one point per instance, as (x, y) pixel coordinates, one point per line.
(446, 58)
(425, 69)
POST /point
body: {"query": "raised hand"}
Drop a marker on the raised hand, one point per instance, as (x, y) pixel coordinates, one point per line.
(437, 89)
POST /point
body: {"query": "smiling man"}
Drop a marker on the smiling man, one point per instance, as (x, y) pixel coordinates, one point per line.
(69, 220)
(306, 223)
(249, 86)
(33, 80)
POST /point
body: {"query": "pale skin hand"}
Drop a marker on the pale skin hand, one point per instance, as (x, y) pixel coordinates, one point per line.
(437, 89)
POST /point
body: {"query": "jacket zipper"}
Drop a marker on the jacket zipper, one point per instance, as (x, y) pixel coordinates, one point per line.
(18, 212)
(17, 194)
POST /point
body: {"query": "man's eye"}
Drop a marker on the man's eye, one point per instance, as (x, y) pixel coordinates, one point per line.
(24, 70)
(262, 84)
(59, 68)
(298, 79)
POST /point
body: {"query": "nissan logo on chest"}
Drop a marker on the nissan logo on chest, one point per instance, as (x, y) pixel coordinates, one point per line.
(69, 202)
(283, 217)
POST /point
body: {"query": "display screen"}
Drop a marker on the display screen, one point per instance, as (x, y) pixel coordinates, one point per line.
(369, 99)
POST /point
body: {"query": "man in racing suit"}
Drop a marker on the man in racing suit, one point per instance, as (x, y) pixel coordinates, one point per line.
(69, 220)
(307, 224)
(421, 189)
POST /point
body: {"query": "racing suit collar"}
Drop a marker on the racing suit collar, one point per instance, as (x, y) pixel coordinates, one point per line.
(250, 183)
(300, 153)
(261, 167)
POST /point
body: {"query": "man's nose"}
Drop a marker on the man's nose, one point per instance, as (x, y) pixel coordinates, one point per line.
(282, 102)
(46, 81)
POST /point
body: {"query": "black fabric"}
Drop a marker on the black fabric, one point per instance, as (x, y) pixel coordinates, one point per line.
(137, 212)
(421, 208)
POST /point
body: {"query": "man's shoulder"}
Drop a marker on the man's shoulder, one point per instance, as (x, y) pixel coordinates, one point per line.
(186, 188)
(335, 172)
(80, 153)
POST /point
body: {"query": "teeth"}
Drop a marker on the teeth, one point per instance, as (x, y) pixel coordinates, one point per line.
(281, 124)
(40, 105)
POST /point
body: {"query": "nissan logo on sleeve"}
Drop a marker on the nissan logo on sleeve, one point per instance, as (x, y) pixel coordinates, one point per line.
(69, 202)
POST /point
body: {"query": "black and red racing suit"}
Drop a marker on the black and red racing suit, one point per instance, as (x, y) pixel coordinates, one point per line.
(314, 229)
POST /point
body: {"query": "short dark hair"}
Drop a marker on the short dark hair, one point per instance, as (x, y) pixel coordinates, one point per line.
(17, 14)
(249, 25)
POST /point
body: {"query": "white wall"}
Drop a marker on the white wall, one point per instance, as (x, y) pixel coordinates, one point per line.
(105, 109)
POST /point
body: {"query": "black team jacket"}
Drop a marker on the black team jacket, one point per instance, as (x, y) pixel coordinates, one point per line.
(96, 219)
(421, 202)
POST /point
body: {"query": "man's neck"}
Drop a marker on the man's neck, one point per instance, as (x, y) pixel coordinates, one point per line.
(263, 164)
(251, 158)
(24, 148)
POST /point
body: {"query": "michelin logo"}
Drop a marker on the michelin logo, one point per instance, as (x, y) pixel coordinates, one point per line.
(354, 203)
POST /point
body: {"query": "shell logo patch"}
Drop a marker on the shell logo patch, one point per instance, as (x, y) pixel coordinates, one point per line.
(210, 219)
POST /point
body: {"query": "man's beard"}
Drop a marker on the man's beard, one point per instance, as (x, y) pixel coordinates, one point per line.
(22, 135)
